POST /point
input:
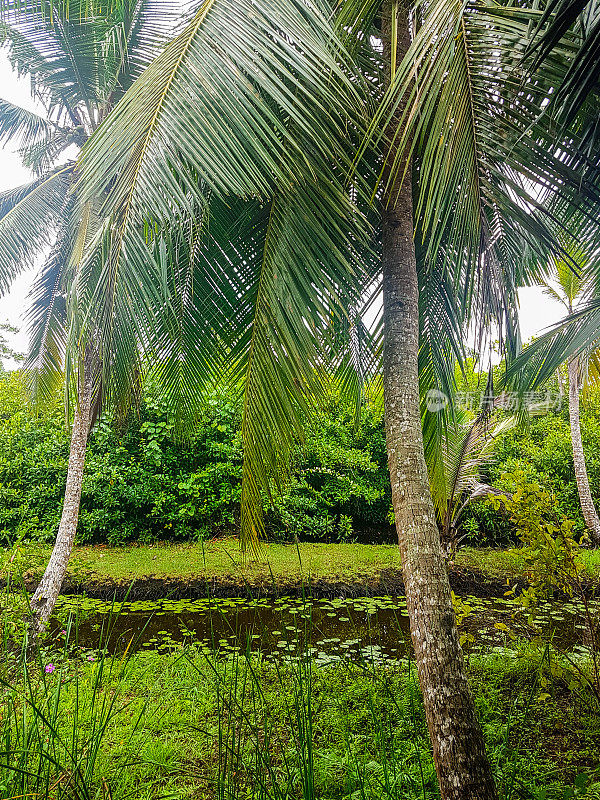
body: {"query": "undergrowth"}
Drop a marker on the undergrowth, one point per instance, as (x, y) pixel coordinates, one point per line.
(89, 726)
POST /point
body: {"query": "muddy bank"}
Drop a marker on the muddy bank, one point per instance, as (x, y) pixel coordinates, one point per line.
(385, 582)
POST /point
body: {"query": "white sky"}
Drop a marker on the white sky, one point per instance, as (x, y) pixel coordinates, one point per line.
(536, 311)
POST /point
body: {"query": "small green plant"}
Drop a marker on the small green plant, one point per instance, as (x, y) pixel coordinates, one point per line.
(552, 562)
(463, 611)
(549, 549)
(54, 717)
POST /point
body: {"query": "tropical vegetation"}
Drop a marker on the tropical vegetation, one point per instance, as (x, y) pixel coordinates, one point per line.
(272, 166)
(143, 483)
(181, 725)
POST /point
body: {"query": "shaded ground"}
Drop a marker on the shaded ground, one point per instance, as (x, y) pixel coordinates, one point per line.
(381, 582)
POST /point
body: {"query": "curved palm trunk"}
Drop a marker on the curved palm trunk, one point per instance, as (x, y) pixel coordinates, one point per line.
(583, 484)
(460, 758)
(46, 594)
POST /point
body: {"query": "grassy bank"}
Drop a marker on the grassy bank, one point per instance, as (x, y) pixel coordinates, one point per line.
(220, 559)
(189, 725)
(509, 564)
(282, 563)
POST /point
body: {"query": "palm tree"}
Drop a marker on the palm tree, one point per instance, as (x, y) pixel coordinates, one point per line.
(258, 261)
(168, 145)
(467, 447)
(248, 124)
(572, 289)
(441, 125)
(80, 64)
(569, 32)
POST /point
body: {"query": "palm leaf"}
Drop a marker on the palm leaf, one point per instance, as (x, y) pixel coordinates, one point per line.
(297, 79)
(478, 146)
(25, 126)
(167, 140)
(22, 236)
(441, 349)
(577, 21)
(209, 271)
(47, 323)
(283, 359)
(576, 334)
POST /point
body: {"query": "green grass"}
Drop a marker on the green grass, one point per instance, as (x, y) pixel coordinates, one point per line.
(221, 559)
(188, 725)
(495, 563)
(509, 564)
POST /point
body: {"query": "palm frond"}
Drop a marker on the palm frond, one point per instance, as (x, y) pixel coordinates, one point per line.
(578, 22)
(577, 333)
(41, 156)
(25, 126)
(307, 270)
(592, 368)
(249, 287)
(249, 101)
(26, 226)
(209, 270)
(274, 72)
(47, 323)
(480, 142)
(353, 353)
(442, 334)
(82, 56)
(268, 65)
(553, 294)
(136, 31)
(467, 446)
(573, 273)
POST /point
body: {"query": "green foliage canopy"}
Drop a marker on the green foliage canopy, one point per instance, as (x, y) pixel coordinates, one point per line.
(143, 483)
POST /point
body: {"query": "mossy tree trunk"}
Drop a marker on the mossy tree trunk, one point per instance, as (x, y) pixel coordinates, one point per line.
(46, 594)
(459, 753)
(588, 508)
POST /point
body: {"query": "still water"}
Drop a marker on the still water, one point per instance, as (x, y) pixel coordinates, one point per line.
(373, 627)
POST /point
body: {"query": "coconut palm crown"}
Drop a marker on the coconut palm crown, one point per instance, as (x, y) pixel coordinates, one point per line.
(79, 63)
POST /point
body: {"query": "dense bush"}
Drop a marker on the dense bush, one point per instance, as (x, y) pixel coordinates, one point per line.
(542, 453)
(142, 483)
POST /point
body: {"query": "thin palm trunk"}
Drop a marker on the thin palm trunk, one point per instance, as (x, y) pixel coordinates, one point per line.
(46, 594)
(459, 753)
(581, 477)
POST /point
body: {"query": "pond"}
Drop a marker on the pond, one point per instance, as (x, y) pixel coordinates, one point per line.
(371, 627)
